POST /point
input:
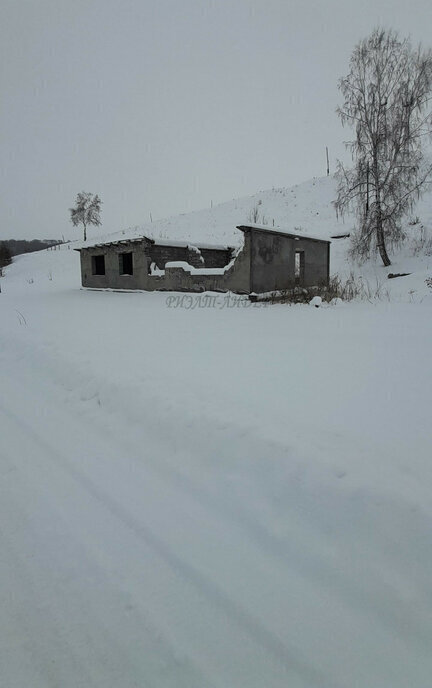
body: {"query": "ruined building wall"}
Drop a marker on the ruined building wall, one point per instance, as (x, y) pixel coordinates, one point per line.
(236, 278)
(273, 261)
(266, 263)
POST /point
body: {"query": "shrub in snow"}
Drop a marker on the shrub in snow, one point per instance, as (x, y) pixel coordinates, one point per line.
(414, 221)
(316, 301)
(421, 241)
(257, 217)
(354, 288)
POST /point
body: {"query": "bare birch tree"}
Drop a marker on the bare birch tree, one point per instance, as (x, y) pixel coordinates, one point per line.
(387, 103)
(86, 211)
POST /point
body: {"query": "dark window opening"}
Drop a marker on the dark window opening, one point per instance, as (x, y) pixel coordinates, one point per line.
(98, 265)
(299, 267)
(125, 264)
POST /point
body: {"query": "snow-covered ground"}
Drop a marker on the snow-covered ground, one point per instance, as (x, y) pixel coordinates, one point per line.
(213, 493)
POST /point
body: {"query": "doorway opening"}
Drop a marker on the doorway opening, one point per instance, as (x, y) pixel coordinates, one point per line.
(299, 268)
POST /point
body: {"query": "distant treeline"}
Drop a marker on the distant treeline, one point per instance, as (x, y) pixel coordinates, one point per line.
(18, 246)
(14, 247)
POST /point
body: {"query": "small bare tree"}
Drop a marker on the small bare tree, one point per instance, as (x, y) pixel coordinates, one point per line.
(86, 211)
(387, 103)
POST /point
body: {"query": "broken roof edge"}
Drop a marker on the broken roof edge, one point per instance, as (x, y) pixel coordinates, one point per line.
(102, 244)
(158, 242)
(202, 245)
(185, 244)
(277, 230)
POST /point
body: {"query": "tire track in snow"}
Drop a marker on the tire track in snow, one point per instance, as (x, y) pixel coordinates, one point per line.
(41, 638)
(379, 605)
(218, 599)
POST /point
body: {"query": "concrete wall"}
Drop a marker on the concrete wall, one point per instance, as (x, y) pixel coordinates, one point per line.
(266, 263)
(161, 254)
(317, 261)
(215, 258)
(112, 278)
(236, 279)
(273, 261)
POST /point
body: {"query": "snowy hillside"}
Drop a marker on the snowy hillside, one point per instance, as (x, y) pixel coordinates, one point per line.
(305, 208)
(215, 494)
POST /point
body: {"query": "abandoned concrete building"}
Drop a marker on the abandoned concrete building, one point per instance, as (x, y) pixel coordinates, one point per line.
(270, 259)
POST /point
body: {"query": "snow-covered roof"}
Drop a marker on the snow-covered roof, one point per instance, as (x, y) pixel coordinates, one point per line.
(185, 244)
(196, 271)
(104, 244)
(279, 230)
(156, 242)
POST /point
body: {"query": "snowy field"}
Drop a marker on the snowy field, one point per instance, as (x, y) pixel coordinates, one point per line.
(224, 497)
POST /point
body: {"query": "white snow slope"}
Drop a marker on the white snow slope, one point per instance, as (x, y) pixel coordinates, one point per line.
(213, 496)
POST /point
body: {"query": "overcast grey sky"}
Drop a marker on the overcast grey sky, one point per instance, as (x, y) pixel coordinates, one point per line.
(163, 106)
